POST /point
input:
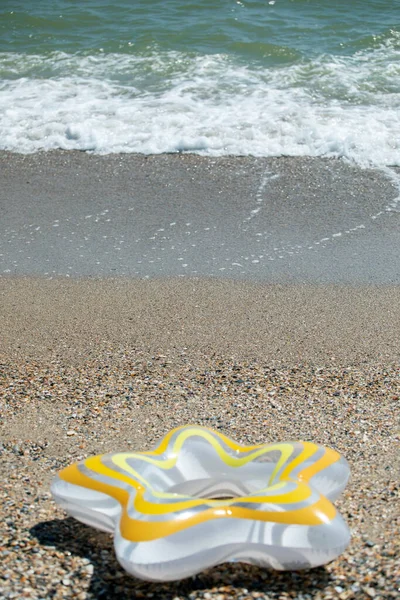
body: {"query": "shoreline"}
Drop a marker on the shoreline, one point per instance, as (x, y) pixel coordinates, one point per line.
(275, 220)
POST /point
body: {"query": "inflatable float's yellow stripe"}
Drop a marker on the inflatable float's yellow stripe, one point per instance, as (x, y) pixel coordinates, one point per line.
(95, 464)
(286, 449)
(330, 457)
(231, 461)
(120, 460)
(156, 508)
(190, 432)
(136, 530)
(301, 493)
(298, 495)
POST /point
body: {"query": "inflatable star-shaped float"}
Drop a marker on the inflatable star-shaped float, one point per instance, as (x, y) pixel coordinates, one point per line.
(200, 499)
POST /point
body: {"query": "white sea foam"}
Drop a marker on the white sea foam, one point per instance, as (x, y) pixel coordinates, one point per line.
(335, 106)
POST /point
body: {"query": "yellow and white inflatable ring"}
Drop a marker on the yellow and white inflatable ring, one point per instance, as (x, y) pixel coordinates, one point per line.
(200, 499)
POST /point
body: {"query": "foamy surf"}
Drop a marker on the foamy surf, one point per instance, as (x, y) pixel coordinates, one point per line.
(166, 102)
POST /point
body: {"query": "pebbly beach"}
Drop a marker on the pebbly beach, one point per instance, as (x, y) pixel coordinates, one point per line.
(256, 296)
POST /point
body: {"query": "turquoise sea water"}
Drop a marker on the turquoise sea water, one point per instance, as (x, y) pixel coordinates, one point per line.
(265, 78)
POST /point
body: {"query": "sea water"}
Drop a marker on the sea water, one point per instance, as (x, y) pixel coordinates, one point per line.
(232, 77)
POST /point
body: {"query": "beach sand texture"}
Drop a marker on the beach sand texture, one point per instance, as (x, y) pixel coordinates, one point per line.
(90, 365)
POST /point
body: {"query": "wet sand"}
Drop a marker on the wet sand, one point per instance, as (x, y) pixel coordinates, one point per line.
(276, 220)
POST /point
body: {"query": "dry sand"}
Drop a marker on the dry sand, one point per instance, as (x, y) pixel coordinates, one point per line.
(89, 366)
(289, 323)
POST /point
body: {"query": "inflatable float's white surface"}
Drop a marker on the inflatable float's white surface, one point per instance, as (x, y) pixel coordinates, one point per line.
(200, 499)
